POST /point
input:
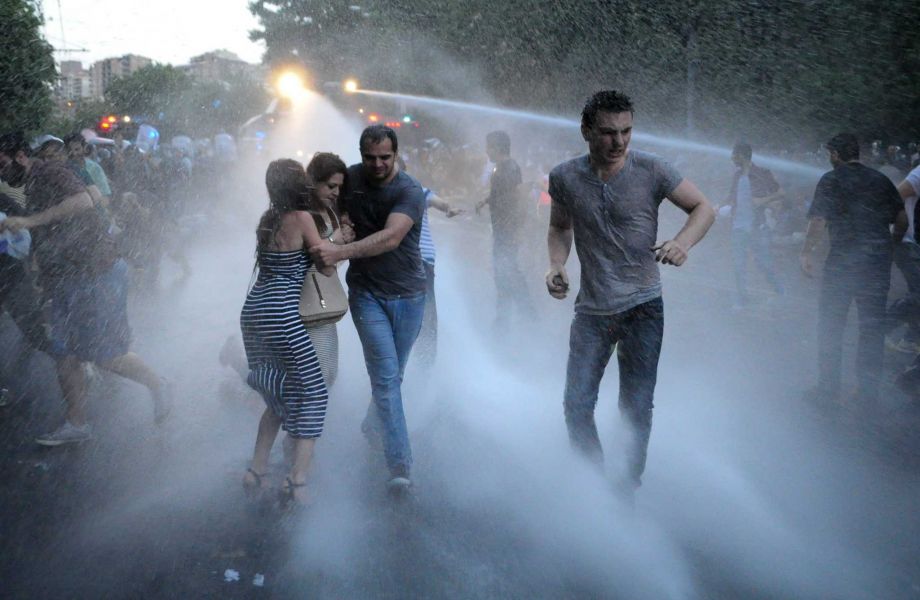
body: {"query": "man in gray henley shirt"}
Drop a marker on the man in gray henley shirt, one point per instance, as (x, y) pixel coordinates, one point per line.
(608, 202)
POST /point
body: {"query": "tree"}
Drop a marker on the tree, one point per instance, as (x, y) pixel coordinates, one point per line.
(788, 73)
(26, 68)
(179, 104)
(150, 91)
(327, 37)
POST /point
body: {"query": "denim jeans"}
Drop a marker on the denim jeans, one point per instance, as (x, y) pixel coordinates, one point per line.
(636, 334)
(866, 282)
(756, 242)
(387, 329)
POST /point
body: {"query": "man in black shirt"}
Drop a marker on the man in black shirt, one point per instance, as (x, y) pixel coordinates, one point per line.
(508, 213)
(856, 205)
(386, 285)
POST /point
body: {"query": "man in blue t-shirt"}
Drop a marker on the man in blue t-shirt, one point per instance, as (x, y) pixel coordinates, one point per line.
(607, 201)
(386, 284)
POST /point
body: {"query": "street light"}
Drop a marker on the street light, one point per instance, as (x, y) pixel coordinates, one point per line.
(290, 85)
(351, 86)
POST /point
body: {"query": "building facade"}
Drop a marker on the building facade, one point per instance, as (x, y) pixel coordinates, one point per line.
(105, 71)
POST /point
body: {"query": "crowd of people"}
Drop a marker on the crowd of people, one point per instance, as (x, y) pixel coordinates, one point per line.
(91, 217)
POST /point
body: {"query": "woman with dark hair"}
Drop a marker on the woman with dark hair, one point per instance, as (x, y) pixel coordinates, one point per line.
(327, 174)
(283, 365)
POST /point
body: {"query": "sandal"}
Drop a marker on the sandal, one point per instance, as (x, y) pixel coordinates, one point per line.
(251, 488)
(286, 494)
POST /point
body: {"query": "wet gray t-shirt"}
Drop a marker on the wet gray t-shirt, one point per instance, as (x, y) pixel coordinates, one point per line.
(615, 225)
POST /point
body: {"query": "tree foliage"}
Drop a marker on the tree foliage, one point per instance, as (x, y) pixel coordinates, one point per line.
(26, 68)
(772, 70)
(180, 104)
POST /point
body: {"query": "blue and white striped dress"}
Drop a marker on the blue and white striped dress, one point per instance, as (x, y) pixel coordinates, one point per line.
(283, 365)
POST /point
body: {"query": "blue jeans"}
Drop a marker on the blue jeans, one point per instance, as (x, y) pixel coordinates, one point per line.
(388, 329)
(636, 334)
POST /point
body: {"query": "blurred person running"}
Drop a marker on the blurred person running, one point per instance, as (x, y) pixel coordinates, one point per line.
(508, 212)
(85, 281)
(855, 205)
(753, 190)
(283, 365)
(608, 202)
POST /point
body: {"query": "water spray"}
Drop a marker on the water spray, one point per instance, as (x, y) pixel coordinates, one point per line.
(779, 164)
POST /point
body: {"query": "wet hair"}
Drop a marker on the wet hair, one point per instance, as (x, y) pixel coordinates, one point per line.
(49, 147)
(286, 182)
(376, 134)
(500, 140)
(845, 145)
(75, 137)
(13, 142)
(321, 168)
(324, 165)
(743, 149)
(610, 101)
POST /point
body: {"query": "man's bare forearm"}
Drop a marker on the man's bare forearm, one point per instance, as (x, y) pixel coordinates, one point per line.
(814, 234)
(439, 203)
(373, 245)
(66, 208)
(559, 243)
(698, 223)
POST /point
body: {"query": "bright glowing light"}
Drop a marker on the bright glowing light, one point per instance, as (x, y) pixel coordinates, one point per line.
(300, 154)
(407, 119)
(127, 119)
(112, 119)
(361, 110)
(290, 85)
(373, 118)
(351, 86)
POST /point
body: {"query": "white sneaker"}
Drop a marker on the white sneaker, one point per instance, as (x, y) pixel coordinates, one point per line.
(398, 487)
(66, 434)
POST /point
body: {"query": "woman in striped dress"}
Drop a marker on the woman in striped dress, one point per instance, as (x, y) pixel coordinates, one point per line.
(283, 365)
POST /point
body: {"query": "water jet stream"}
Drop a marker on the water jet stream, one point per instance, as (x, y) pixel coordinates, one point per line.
(771, 162)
